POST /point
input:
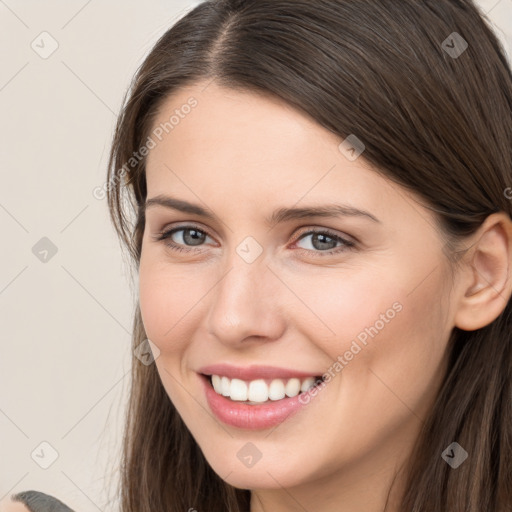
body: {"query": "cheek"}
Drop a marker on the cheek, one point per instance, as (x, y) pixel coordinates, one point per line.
(172, 300)
(156, 304)
(398, 369)
(370, 323)
(345, 307)
(167, 309)
(164, 299)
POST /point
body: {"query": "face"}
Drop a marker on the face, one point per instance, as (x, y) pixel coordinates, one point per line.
(360, 296)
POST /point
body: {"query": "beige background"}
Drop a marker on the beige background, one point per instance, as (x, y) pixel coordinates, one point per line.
(66, 321)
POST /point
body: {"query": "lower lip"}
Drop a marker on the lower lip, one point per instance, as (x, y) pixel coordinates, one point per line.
(241, 415)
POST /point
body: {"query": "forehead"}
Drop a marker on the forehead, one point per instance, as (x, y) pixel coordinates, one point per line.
(239, 124)
(257, 148)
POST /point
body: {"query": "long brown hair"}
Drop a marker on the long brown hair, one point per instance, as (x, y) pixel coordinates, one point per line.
(435, 116)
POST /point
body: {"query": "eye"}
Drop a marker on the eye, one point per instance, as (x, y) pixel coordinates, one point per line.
(324, 241)
(188, 236)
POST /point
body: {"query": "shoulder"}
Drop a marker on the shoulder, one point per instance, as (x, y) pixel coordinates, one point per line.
(32, 501)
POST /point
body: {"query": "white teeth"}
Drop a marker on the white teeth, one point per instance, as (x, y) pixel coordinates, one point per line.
(238, 390)
(276, 390)
(225, 385)
(217, 384)
(292, 387)
(258, 391)
(307, 383)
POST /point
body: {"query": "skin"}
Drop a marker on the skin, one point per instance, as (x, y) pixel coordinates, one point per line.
(7, 505)
(242, 156)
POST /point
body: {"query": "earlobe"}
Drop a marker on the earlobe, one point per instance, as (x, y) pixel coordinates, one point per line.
(486, 284)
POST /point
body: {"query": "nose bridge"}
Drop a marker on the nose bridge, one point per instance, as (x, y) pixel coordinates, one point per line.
(245, 300)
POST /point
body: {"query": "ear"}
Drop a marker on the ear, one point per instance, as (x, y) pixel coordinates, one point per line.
(486, 284)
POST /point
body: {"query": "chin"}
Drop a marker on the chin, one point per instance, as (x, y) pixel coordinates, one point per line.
(266, 473)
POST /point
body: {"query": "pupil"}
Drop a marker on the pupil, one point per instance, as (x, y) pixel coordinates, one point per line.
(196, 239)
(321, 237)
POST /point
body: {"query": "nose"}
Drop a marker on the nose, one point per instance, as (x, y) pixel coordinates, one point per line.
(246, 305)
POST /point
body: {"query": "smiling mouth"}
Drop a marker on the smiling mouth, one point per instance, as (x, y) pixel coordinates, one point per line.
(261, 391)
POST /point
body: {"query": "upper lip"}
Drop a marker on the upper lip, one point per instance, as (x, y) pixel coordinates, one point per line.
(254, 372)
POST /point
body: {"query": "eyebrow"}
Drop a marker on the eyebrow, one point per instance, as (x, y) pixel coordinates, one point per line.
(279, 215)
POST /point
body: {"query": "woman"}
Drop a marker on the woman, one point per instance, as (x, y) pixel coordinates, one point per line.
(314, 195)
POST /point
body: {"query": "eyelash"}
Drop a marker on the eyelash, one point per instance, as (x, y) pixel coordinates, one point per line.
(347, 244)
